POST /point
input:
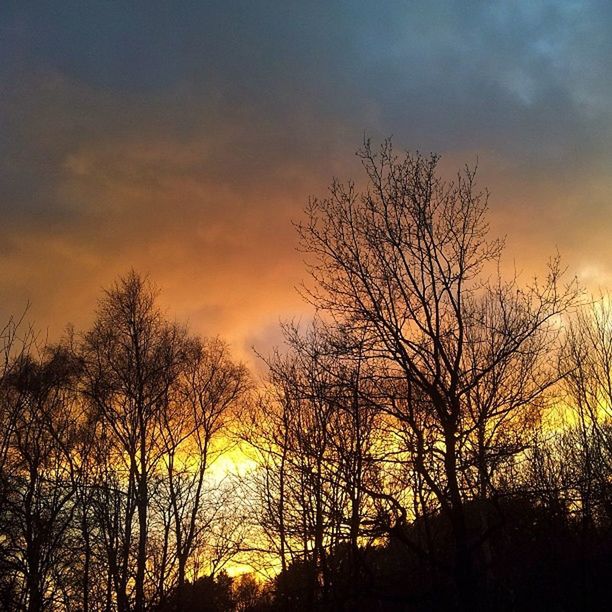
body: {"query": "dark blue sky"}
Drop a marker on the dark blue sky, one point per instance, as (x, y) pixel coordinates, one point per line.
(182, 138)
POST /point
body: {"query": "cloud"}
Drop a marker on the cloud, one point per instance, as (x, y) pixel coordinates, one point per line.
(183, 140)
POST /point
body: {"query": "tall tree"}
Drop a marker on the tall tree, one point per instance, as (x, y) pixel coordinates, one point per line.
(403, 263)
(209, 387)
(586, 361)
(38, 499)
(132, 356)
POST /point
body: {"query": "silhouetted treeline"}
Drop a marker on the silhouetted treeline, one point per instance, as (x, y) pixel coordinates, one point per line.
(439, 437)
(107, 441)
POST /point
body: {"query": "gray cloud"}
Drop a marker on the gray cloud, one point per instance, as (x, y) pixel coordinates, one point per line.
(183, 139)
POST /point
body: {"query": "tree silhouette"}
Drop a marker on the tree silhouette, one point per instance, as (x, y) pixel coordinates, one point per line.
(403, 264)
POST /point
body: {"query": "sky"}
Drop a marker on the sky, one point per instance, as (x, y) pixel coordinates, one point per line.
(182, 139)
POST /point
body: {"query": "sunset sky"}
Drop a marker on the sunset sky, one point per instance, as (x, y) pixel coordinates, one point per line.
(183, 138)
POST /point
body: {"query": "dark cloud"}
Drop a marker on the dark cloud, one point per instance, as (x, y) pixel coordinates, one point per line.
(182, 138)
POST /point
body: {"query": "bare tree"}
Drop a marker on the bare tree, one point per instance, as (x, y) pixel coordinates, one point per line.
(132, 356)
(586, 361)
(313, 438)
(38, 503)
(403, 263)
(210, 385)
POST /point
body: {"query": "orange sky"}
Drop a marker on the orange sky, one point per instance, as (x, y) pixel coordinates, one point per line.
(182, 143)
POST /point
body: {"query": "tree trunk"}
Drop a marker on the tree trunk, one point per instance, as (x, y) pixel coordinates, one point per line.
(141, 561)
(464, 574)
